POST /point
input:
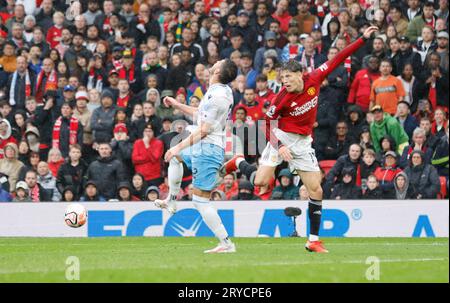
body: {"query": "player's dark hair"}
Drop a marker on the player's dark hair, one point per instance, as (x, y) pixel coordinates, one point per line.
(228, 72)
(292, 66)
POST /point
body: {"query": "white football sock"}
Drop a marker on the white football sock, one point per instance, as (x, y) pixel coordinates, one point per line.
(211, 218)
(175, 176)
(313, 238)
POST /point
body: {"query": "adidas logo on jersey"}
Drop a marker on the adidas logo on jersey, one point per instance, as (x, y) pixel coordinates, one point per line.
(317, 212)
(293, 104)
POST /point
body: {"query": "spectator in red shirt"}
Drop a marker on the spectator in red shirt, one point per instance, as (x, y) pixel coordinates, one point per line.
(282, 15)
(385, 174)
(147, 155)
(54, 33)
(360, 88)
(229, 186)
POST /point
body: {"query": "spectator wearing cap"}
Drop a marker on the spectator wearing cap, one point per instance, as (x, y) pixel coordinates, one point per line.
(102, 119)
(21, 84)
(147, 156)
(68, 95)
(21, 193)
(416, 25)
(91, 193)
(386, 173)
(270, 44)
(67, 130)
(107, 172)
(408, 55)
(248, 32)
(422, 176)
(305, 20)
(130, 72)
(347, 190)
(442, 49)
(418, 139)
(246, 192)
(237, 43)
(152, 193)
(407, 121)
(286, 190)
(122, 147)
(10, 166)
(387, 90)
(77, 49)
(385, 124)
(246, 69)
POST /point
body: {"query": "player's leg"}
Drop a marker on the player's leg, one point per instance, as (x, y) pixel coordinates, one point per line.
(306, 164)
(205, 168)
(260, 176)
(175, 177)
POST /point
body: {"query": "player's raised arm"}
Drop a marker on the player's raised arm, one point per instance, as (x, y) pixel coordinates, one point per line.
(325, 69)
(186, 109)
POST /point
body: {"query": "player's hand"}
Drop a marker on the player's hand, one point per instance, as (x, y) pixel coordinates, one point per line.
(171, 153)
(369, 31)
(170, 102)
(285, 153)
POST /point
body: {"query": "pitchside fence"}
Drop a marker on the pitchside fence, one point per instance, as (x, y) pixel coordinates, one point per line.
(357, 218)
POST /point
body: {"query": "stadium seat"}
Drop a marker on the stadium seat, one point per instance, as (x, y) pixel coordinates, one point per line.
(326, 165)
(443, 192)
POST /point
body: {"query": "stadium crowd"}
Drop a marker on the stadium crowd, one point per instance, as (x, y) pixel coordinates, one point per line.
(82, 84)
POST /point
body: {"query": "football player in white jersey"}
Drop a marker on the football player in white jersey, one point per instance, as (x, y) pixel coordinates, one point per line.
(203, 150)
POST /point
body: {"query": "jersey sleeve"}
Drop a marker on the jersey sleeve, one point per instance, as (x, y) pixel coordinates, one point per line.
(320, 73)
(272, 114)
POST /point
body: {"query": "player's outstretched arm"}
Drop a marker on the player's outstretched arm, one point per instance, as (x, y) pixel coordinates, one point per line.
(325, 69)
(186, 109)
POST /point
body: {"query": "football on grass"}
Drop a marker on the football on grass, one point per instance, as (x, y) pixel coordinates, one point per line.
(75, 215)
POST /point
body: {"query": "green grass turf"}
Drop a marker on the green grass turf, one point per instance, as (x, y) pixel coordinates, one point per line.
(143, 259)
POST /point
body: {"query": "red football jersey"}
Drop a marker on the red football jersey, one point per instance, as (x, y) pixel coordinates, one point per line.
(296, 112)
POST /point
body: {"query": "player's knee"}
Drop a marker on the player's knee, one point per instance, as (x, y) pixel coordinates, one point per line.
(316, 192)
(260, 181)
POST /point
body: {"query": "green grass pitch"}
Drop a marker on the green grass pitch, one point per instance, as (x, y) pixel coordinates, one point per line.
(145, 259)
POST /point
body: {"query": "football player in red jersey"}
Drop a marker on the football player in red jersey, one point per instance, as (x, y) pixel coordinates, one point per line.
(294, 109)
